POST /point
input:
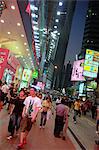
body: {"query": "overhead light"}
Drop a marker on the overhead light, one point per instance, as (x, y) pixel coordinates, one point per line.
(34, 22)
(22, 35)
(33, 7)
(57, 20)
(37, 41)
(34, 15)
(2, 21)
(25, 43)
(58, 33)
(9, 32)
(16, 47)
(19, 52)
(35, 28)
(36, 33)
(55, 27)
(60, 3)
(28, 54)
(58, 13)
(18, 24)
(36, 37)
(55, 31)
(27, 49)
(22, 56)
(13, 7)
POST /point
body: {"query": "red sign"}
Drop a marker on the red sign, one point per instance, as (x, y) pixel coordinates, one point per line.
(3, 60)
(13, 61)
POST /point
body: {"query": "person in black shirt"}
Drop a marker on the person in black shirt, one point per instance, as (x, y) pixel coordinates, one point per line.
(16, 114)
(1, 97)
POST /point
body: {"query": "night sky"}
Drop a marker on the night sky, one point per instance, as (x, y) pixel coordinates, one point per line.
(77, 30)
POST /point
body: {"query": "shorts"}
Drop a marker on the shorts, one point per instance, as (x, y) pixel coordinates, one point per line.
(26, 124)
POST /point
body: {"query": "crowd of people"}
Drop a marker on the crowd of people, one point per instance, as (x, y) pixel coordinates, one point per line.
(23, 108)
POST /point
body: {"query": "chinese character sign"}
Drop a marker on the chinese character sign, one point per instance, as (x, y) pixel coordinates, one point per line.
(91, 63)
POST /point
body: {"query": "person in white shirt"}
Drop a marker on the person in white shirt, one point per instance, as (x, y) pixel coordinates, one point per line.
(32, 105)
(5, 88)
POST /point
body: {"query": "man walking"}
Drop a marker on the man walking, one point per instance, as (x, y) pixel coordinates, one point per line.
(32, 105)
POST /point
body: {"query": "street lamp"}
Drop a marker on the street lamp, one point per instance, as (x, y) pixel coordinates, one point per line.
(55, 67)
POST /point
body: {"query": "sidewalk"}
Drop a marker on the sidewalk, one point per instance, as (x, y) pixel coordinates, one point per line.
(38, 139)
(84, 130)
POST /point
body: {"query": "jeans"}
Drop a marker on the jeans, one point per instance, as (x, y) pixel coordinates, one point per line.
(43, 118)
(75, 115)
(97, 124)
(14, 123)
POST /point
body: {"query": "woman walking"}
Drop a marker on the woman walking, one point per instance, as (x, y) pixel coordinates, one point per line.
(46, 106)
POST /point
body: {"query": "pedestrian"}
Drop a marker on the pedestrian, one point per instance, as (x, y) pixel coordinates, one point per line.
(59, 120)
(29, 114)
(16, 114)
(65, 127)
(46, 107)
(97, 119)
(1, 96)
(5, 90)
(77, 110)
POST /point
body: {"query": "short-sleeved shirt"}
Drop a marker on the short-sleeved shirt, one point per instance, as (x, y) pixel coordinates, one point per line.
(31, 103)
(76, 105)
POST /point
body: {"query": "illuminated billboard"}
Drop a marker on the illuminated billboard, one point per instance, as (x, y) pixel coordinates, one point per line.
(91, 63)
(77, 72)
(26, 75)
(35, 74)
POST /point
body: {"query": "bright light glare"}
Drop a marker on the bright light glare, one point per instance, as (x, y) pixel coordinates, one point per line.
(13, 7)
(34, 15)
(22, 35)
(35, 28)
(56, 20)
(9, 32)
(60, 3)
(18, 24)
(2, 21)
(58, 13)
(58, 33)
(25, 43)
(55, 27)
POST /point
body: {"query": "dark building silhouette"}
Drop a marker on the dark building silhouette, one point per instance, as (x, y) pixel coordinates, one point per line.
(91, 31)
(63, 42)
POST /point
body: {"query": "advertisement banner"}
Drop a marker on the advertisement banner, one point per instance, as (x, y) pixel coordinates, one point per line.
(3, 60)
(77, 72)
(13, 61)
(26, 75)
(91, 63)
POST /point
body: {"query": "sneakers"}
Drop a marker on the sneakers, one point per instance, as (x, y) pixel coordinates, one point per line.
(24, 142)
(40, 127)
(97, 132)
(43, 127)
(75, 122)
(20, 146)
(9, 137)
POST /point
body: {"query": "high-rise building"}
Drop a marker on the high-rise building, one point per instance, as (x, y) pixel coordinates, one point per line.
(63, 42)
(91, 31)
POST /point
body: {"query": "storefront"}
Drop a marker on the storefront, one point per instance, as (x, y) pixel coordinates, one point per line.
(8, 65)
